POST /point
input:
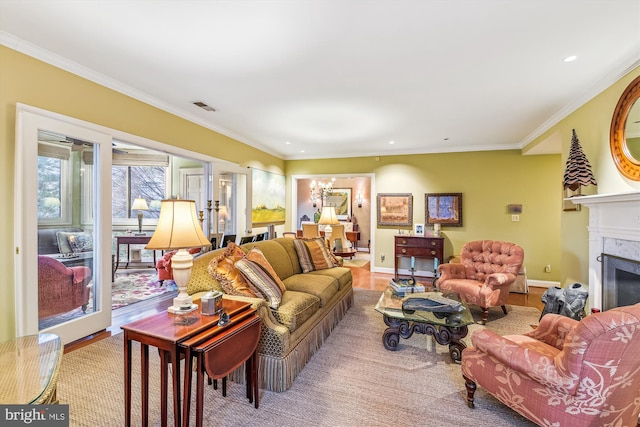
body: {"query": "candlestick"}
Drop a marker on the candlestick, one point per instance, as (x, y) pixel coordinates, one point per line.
(413, 262)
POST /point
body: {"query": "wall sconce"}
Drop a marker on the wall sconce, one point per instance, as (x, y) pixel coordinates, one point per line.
(359, 199)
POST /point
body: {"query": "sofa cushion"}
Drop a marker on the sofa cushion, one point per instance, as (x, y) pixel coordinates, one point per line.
(322, 286)
(313, 254)
(261, 280)
(222, 268)
(341, 274)
(256, 255)
(296, 308)
(70, 242)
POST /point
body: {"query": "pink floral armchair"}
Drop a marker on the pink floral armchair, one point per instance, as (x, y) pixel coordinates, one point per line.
(485, 274)
(564, 372)
(61, 288)
(163, 265)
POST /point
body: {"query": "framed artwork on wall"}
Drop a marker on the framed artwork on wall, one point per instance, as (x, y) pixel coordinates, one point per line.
(567, 205)
(339, 198)
(395, 209)
(268, 198)
(418, 230)
(444, 209)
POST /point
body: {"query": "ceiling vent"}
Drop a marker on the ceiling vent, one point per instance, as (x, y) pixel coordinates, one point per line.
(203, 106)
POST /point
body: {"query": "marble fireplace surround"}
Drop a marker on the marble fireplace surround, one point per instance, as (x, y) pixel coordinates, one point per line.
(614, 229)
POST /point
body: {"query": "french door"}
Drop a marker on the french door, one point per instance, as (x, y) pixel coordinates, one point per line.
(62, 224)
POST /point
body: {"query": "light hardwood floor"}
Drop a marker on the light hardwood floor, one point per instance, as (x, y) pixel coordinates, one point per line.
(362, 278)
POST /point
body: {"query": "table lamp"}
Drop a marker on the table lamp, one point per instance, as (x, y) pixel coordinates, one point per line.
(328, 217)
(179, 228)
(141, 205)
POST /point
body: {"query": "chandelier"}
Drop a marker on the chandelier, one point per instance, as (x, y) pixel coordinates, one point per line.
(318, 191)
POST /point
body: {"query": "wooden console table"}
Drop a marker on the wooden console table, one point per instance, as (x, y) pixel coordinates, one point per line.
(129, 240)
(353, 237)
(418, 247)
(160, 331)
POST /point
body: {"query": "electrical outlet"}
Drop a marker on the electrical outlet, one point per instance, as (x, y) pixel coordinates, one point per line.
(515, 218)
(382, 257)
(547, 268)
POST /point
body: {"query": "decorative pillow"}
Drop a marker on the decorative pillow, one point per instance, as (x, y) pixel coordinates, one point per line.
(223, 269)
(73, 242)
(256, 255)
(313, 254)
(262, 280)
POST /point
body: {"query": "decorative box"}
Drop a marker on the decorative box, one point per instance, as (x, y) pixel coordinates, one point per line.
(211, 303)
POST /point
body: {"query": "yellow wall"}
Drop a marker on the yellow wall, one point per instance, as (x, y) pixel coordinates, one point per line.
(489, 181)
(592, 123)
(29, 81)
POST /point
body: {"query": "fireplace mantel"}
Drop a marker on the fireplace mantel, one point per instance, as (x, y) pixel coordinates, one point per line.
(614, 228)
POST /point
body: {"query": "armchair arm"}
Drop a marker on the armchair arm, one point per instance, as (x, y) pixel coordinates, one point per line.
(495, 280)
(451, 271)
(553, 329)
(80, 273)
(527, 361)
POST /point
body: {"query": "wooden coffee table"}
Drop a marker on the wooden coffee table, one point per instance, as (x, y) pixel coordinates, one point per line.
(345, 253)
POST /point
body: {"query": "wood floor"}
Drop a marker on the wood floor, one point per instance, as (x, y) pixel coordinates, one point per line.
(362, 278)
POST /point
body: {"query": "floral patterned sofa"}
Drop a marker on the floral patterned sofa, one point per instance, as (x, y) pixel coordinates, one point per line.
(565, 372)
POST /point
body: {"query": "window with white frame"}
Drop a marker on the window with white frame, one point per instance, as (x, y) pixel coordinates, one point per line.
(54, 186)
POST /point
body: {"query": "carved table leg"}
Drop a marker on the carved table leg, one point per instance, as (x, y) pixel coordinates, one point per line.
(471, 389)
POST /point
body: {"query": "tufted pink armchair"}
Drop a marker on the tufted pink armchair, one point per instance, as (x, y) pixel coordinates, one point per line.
(61, 288)
(485, 274)
(163, 265)
(565, 372)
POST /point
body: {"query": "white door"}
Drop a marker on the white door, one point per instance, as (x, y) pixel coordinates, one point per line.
(63, 189)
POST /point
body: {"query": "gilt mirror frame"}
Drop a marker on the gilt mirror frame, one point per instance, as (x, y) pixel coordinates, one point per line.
(628, 165)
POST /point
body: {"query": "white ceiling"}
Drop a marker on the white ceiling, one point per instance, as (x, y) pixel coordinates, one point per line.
(342, 78)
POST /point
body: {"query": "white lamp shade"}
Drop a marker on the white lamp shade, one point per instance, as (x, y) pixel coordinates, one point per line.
(140, 204)
(328, 216)
(178, 227)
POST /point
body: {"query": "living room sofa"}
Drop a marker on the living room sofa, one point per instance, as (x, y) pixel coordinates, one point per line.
(311, 306)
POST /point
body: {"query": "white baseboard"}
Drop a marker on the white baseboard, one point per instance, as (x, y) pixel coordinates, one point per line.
(542, 283)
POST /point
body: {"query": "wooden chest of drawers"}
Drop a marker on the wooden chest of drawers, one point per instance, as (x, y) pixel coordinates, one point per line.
(418, 247)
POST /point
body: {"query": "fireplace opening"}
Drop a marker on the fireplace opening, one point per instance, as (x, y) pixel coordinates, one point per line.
(620, 281)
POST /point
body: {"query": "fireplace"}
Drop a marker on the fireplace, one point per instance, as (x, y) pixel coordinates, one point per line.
(614, 230)
(620, 281)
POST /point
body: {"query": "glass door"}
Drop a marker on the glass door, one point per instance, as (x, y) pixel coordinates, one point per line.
(63, 223)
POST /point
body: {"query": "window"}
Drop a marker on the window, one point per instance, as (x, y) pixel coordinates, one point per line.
(53, 185)
(131, 182)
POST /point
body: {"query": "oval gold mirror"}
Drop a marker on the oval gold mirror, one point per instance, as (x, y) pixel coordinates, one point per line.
(625, 132)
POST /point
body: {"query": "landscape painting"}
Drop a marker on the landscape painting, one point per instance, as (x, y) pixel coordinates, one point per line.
(268, 198)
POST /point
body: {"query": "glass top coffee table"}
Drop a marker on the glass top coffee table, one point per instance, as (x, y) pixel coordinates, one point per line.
(446, 328)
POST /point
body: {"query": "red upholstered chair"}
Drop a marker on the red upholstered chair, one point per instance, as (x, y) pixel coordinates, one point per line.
(485, 274)
(61, 288)
(163, 265)
(565, 372)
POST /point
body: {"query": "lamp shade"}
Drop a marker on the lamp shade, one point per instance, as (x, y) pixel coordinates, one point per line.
(328, 216)
(140, 204)
(178, 227)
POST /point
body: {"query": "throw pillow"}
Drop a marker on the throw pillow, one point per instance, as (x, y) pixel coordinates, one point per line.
(256, 255)
(223, 269)
(73, 242)
(262, 280)
(313, 254)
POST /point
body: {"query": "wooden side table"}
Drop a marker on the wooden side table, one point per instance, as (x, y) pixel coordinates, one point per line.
(160, 331)
(418, 247)
(223, 351)
(129, 240)
(353, 237)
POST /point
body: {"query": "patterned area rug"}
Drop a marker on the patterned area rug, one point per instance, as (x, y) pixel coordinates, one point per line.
(132, 288)
(128, 289)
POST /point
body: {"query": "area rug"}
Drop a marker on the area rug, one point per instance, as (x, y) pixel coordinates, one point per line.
(351, 381)
(135, 287)
(127, 289)
(360, 259)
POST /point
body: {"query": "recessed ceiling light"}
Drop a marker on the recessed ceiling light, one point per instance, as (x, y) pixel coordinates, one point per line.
(392, 142)
(288, 143)
(570, 58)
(302, 151)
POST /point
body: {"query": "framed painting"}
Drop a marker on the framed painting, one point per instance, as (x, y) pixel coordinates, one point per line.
(267, 198)
(567, 204)
(395, 209)
(444, 209)
(339, 198)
